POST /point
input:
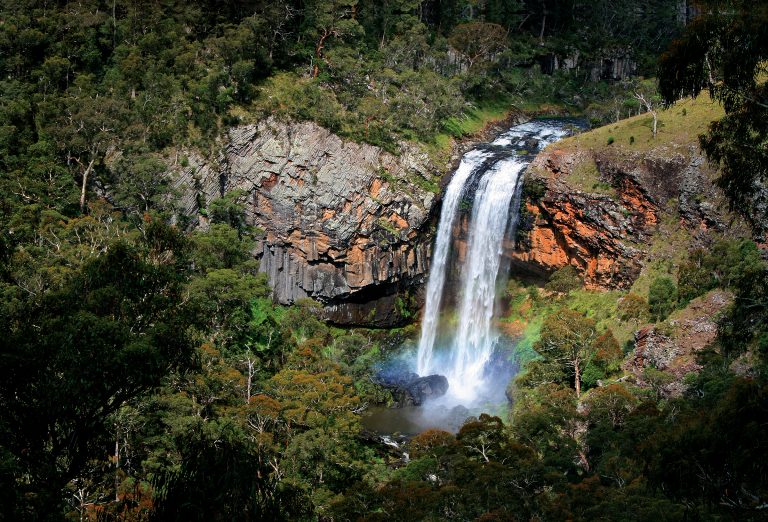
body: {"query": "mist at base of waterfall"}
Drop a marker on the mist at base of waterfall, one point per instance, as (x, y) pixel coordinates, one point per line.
(451, 411)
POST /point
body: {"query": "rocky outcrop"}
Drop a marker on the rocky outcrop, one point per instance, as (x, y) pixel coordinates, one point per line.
(605, 233)
(588, 231)
(408, 388)
(426, 388)
(672, 346)
(344, 223)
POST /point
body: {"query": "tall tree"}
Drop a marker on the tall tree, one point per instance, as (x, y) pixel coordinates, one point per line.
(725, 50)
(567, 340)
(75, 355)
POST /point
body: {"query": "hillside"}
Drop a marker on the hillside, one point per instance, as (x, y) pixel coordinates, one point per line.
(312, 260)
(615, 201)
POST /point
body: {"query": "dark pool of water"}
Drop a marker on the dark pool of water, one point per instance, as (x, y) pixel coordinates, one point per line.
(412, 420)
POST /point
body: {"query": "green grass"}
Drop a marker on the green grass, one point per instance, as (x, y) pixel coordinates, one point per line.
(524, 347)
(586, 175)
(679, 128)
(680, 124)
(425, 184)
(474, 120)
(667, 251)
(477, 117)
(598, 305)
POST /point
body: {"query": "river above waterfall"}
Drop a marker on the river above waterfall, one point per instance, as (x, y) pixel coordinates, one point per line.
(458, 335)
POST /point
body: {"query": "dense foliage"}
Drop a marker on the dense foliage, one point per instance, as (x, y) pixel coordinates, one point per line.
(147, 374)
(726, 51)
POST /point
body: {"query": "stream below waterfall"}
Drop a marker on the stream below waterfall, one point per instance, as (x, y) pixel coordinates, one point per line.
(458, 336)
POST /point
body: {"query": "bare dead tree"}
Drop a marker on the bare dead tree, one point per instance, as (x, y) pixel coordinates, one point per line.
(651, 107)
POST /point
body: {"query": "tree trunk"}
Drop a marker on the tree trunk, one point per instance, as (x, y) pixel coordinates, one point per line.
(85, 184)
(577, 371)
(319, 51)
(117, 464)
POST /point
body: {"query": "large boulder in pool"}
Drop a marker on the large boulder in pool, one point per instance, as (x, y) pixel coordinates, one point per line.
(425, 388)
(395, 376)
(408, 389)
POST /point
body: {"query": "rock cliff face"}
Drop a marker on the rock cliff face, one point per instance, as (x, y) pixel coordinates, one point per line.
(343, 223)
(349, 224)
(604, 228)
(672, 347)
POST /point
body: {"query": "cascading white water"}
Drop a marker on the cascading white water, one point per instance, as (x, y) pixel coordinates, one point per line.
(500, 177)
(469, 163)
(475, 336)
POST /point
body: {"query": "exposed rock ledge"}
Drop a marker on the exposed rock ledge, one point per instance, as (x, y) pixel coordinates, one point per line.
(343, 222)
(605, 235)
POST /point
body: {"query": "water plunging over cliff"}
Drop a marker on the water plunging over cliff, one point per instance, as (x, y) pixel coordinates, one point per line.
(469, 164)
(494, 172)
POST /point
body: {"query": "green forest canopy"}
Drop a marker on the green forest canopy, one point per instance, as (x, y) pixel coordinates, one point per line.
(148, 375)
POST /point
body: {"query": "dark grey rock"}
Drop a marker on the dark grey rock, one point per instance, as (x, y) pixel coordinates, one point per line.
(344, 223)
(425, 388)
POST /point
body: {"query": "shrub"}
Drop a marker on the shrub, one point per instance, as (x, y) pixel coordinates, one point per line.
(633, 307)
(662, 298)
(611, 139)
(725, 263)
(564, 280)
(592, 374)
(533, 189)
(607, 354)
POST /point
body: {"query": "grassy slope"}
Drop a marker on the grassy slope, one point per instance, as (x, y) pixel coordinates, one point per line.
(472, 122)
(679, 125)
(679, 128)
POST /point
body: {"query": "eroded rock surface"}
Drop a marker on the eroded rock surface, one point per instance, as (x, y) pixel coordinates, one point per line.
(605, 235)
(425, 388)
(343, 222)
(672, 346)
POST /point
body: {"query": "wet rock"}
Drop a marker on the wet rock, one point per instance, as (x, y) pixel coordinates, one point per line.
(426, 388)
(532, 144)
(408, 388)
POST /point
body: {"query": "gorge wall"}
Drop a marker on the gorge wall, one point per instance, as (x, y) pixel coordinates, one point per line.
(343, 223)
(350, 225)
(600, 209)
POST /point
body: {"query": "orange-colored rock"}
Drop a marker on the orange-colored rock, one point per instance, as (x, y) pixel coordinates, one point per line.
(600, 234)
(580, 230)
(398, 221)
(270, 182)
(633, 199)
(375, 187)
(545, 249)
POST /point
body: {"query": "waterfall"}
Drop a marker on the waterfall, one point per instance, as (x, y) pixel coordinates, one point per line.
(499, 167)
(475, 336)
(469, 164)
